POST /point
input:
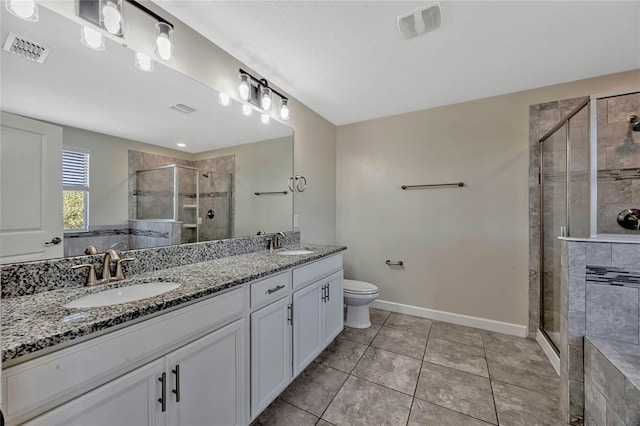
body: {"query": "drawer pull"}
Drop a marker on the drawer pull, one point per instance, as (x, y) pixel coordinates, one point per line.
(176, 391)
(163, 399)
(276, 288)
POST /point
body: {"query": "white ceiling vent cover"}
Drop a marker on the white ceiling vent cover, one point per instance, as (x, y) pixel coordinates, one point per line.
(420, 21)
(26, 48)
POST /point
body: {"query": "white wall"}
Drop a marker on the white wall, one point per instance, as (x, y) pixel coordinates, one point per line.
(465, 249)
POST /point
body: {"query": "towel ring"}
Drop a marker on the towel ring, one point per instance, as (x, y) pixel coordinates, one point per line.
(298, 183)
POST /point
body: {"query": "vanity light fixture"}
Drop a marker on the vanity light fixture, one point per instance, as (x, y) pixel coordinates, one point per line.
(265, 98)
(91, 38)
(258, 93)
(164, 41)
(265, 118)
(143, 62)
(23, 9)
(247, 110)
(284, 109)
(224, 99)
(244, 88)
(111, 16)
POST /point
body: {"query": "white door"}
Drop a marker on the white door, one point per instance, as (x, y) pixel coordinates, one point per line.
(30, 190)
(270, 354)
(129, 400)
(308, 339)
(207, 383)
(333, 307)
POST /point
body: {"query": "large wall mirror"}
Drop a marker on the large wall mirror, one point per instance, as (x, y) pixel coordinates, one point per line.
(86, 108)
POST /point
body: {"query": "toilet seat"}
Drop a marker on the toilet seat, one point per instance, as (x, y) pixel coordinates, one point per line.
(359, 287)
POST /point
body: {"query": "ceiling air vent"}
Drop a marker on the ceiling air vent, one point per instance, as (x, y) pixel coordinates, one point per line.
(420, 21)
(26, 48)
(183, 108)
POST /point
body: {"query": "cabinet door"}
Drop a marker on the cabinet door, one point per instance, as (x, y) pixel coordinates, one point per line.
(206, 384)
(333, 307)
(129, 400)
(308, 339)
(270, 354)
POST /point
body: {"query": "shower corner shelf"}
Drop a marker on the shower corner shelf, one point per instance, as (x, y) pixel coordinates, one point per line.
(190, 225)
(189, 206)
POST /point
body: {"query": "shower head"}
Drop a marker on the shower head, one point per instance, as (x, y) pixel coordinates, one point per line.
(634, 122)
(205, 174)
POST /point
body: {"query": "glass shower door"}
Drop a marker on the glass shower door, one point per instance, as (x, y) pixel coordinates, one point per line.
(554, 224)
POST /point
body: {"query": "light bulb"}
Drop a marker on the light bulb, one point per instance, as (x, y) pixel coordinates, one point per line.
(164, 43)
(265, 98)
(181, 145)
(111, 17)
(265, 118)
(143, 62)
(244, 88)
(224, 99)
(23, 9)
(247, 110)
(284, 109)
(92, 38)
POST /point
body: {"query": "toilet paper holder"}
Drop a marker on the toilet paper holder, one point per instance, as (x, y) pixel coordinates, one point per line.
(398, 263)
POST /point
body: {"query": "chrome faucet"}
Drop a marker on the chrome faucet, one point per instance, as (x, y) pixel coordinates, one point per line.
(277, 238)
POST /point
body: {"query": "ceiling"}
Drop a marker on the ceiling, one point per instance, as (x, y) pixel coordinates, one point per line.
(102, 91)
(347, 61)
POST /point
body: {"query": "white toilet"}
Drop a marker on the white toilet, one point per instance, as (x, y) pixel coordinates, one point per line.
(358, 295)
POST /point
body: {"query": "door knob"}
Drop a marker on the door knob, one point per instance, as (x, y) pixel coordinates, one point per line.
(54, 241)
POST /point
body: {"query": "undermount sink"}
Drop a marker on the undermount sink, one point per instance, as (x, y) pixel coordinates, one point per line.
(294, 252)
(119, 295)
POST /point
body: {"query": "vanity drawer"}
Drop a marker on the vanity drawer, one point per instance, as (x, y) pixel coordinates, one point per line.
(314, 271)
(270, 289)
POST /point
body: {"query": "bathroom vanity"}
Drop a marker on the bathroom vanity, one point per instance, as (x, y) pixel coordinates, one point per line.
(217, 350)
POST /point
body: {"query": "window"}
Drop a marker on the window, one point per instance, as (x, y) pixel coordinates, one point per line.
(75, 185)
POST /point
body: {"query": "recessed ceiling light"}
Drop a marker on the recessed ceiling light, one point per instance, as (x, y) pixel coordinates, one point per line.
(183, 108)
(181, 145)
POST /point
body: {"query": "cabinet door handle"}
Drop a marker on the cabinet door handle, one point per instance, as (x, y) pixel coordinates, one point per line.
(290, 313)
(163, 399)
(276, 288)
(324, 294)
(328, 291)
(176, 371)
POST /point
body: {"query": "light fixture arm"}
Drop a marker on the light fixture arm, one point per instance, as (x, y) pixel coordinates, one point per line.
(260, 82)
(149, 12)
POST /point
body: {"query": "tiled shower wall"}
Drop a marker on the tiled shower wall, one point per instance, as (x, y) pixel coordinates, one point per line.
(155, 199)
(592, 307)
(618, 161)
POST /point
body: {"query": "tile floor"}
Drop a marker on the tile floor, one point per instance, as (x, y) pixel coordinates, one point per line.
(406, 370)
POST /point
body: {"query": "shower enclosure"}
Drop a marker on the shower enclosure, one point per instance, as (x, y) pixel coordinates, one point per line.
(200, 201)
(589, 177)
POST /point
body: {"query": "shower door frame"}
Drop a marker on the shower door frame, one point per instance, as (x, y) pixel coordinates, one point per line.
(566, 231)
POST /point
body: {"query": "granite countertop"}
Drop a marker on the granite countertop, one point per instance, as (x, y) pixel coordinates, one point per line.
(39, 321)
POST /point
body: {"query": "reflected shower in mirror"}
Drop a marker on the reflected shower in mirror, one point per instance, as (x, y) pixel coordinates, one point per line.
(167, 164)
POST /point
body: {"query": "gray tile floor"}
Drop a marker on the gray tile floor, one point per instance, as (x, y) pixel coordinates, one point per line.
(406, 370)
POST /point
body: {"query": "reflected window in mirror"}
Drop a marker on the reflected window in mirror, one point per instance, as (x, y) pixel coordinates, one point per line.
(75, 184)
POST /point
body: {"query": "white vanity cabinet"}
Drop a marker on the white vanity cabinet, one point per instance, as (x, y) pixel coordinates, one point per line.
(199, 384)
(318, 317)
(207, 340)
(288, 334)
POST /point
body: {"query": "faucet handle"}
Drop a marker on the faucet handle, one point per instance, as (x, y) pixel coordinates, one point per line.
(119, 271)
(91, 278)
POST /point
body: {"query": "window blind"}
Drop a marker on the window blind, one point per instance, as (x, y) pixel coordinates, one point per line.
(75, 170)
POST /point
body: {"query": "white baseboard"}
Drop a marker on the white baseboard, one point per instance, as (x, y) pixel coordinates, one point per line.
(548, 350)
(469, 321)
